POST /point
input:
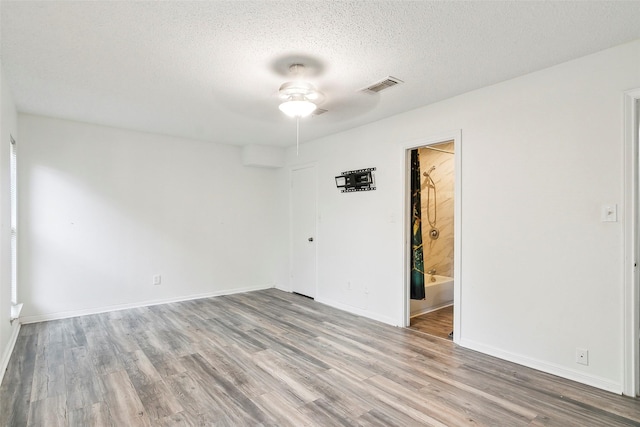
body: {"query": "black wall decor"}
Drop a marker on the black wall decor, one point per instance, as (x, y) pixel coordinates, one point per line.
(357, 180)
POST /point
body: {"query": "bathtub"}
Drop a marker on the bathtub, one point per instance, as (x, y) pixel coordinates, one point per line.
(438, 294)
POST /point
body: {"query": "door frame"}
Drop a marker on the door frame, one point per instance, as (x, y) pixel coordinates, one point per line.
(631, 288)
(292, 169)
(456, 137)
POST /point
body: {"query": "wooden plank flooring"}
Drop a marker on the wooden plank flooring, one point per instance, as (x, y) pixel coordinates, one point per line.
(438, 323)
(276, 359)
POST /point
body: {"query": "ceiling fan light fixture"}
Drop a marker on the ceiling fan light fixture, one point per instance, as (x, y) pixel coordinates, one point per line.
(299, 97)
(297, 107)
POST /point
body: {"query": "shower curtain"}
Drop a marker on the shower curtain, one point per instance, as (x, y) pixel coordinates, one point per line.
(417, 260)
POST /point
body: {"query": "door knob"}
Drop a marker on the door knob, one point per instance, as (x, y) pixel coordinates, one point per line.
(310, 239)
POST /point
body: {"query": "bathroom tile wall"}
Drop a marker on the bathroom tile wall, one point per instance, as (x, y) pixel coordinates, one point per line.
(438, 253)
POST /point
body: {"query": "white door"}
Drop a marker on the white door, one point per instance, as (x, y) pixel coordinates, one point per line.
(303, 231)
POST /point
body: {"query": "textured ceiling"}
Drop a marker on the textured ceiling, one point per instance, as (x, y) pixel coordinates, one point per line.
(211, 70)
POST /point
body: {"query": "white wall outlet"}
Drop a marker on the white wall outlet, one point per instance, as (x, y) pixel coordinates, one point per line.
(582, 356)
(609, 213)
(349, 284)
(157, 279)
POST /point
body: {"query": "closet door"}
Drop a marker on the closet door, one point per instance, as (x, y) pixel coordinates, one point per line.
(303, 231)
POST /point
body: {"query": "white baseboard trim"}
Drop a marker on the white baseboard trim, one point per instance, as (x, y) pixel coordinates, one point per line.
(358, 311)
(431, 309)
(96, 310)
(6, 355)
(283, 288)
(540, 365)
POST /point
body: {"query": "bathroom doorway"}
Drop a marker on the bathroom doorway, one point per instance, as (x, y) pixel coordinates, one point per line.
(432, 240)
(631, 367)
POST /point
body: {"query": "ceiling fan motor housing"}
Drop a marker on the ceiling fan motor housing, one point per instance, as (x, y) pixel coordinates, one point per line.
(299, 89)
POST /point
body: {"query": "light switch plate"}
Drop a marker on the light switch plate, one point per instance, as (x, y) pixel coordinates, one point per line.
(609, 213)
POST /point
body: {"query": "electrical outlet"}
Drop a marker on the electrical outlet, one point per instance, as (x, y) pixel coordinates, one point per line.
(582, 356)
(157, 279)
(609, 213)
(349, 285)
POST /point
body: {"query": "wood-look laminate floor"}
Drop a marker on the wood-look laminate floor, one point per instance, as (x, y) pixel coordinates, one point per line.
(438, 323)
(274, 358)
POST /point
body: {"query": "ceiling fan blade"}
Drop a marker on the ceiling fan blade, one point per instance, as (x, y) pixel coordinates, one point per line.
(340, 106)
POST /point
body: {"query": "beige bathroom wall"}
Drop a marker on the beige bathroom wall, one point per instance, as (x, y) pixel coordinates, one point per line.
(438, 253)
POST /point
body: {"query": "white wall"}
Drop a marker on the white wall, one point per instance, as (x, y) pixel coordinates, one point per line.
(540, 273)
(102, 210)
(8, 126)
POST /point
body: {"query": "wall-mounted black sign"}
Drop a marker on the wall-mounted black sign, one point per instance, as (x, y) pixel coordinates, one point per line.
(358, 180)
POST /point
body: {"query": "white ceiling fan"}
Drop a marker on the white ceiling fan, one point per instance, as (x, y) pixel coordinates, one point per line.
(299, 97)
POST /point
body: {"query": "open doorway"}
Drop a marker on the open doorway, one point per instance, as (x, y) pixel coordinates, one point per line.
(432, 215)
(432, 222)
(631, 329)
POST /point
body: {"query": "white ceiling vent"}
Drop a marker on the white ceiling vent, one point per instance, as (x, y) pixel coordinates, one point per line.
(383, 84)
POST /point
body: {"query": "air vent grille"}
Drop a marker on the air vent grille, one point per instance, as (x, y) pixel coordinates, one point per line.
(383, 84)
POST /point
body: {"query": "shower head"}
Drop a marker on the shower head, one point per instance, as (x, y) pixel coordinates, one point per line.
(429, 181)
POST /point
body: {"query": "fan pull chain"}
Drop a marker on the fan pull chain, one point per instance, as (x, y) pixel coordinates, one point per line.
(297, 135)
